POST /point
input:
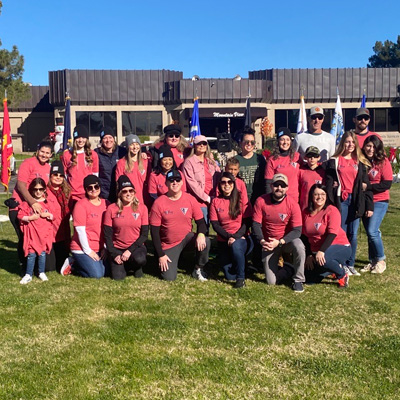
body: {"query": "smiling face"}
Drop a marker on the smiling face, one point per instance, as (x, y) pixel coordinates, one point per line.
(361, 123)
(108, 143)
(369, 149)
(80, 142)
(127, 195)
(93, 191)
(247, 144)
(233, 169)
(174, 185)
(226, 185)
(134, 148)
(349, 146)
(172, 139)
(319, 198)
(38, 192)
(56, 180)
(279, 190)
(316, 122)
(200, 148)
(284, 143)
(166, 163)
(44, 155)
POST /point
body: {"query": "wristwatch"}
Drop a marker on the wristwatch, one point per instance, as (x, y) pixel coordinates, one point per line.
(280, 243)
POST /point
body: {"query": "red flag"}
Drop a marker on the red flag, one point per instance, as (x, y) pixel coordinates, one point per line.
(6, 149)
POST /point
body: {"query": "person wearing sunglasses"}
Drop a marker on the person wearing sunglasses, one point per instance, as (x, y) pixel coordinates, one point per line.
(284, 160)
(87, 240)
(316, 136)
(200, 171)
(126, 226)
(361, 122)
(277, 225)
(58, 194)
(171, 220)
(230, 216)
(37, 231)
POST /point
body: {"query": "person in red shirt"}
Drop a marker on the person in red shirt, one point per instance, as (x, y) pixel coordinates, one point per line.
(87, 241)
(361, 122)
(134, 166)
(284, 160)
(328, 245)
(348, 189)
(58, 195)
(156, 184)
(79, 162)
(171, 229)
(381, 177)
(310, 173)
(37, 230)
(126, 226)
(277, 227)
(230, 216)
(31, 168)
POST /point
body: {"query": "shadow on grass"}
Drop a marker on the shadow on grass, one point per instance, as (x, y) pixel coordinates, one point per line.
(8, 257)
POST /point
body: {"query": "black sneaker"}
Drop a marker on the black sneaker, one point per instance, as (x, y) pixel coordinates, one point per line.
(240, 283)
(298, 287)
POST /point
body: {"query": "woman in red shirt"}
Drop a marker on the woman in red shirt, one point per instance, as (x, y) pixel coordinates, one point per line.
(328, 243)
(126, 226)
(58, 194)
(231, 218)
(380, 176)
(87, 242)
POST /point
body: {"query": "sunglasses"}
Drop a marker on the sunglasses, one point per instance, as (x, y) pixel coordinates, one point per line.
(38, 189)
(174, 135)
(91, 188)
(126, 191)
(171, 180)
(201, 144)
(311, 156)
(228, 182)
(320, 117)
(279, 184)
(363, 117)
(58, 175)
(247, 142)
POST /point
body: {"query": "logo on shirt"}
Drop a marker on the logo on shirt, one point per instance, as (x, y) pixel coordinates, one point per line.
(373, 172)
(135, 215)
(317, 225)
(355, 166)
(318, 181)
(166, 212)
(180, 156)
(282, 216)
(220, 210)
(142, 172)
(160, 186)
(94, 215)
(294, 164)
(184, 210)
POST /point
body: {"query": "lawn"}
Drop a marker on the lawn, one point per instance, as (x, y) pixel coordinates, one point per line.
(74, 338)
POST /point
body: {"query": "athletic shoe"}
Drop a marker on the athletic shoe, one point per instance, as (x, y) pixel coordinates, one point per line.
(353, 271)
(43, 277)
(240, 283)
(368, 268)
(344, 282)
(199, 274)
(298, 287)
(66, 269)
(26, 279)
(346, 270)
(380, 267)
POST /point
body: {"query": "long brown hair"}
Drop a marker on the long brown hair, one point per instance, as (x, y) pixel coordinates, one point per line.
(234, 198)
(88, 153)
(358, 154)
(129, 160)
(37, 181)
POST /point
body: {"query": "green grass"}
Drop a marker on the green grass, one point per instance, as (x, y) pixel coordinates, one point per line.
(74, 338)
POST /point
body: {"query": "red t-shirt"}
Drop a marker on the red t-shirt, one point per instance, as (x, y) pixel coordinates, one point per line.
(361, 138)
(91, 217)
(276, 219)
(378, 173)
(219, 211)
(178, 157)
(347, 171)
(317, 227)
(126, 226)
(77, 173)
(61, 227)
(28, 171)
(38, 234)
(175, 218)
(157, 185)
(290, 168)
(308, 178)
(137, 177)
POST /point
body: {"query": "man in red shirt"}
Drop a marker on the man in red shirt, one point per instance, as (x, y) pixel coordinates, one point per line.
(171, 229)
(277, 227)
(361, 121)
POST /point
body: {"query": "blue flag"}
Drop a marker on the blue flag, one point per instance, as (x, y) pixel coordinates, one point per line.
(363, 101)
(67, 123)
(337, 128)
(194, 122)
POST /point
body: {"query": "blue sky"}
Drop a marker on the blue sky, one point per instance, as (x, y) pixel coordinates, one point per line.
(212, 39)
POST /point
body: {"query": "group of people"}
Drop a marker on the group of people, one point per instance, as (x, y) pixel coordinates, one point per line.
(297, 212)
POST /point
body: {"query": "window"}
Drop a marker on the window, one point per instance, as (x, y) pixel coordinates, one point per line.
(393, 119)
(96, 120)
(380, 120)
(141, 122)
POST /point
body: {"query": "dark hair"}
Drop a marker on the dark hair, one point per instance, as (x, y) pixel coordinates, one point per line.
(379, 153)
(158, 169)
(310, 207)
(292, 151)
(247, 130)
(45, 143)
(234, 198)
(36, 181)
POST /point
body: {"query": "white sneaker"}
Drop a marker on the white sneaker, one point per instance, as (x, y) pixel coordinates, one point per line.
(26, 279)
(43, 277)
(368, 268)
(199, 274)
(380, 267)
(353, 271)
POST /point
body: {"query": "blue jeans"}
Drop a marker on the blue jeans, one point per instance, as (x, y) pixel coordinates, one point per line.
(87, 267)
(375, 245)
(233, 258)
(350, 225)
(30, 262)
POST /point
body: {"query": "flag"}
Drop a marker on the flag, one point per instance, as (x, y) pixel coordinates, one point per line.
(337, 128)
(6, 148)
(195, 123)
(302, 121)
(247, 113)
(363, 101)
(67, 122)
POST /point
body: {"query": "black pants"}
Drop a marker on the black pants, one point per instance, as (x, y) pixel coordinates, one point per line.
(20, 248)
(136, 262)
(57, 256)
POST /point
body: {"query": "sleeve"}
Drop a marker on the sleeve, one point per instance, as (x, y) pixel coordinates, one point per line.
(108, 217)
(257, 230)
(95, 166)
(119, 170)
(65, 159)
(196, 209)
(144, 233)
(155, 214)
(79, 214)
(213, 211)
(24, 171)
(369, 198)
(386, 178)
(269, 169)
(333, 220)
(201, 226)
(191, 182)
(155, 235)
(219, 229)
(152, 186)
(83, 240)
(257, 211)
(108, 234)
(23, 211)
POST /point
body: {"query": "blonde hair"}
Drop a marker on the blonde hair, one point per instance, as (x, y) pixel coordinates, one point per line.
(357, 154)
(130, 161)
(134, 204)
(88, 153)
(207, 155)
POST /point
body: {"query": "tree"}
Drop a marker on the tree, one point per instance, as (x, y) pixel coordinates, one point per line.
(11, 70)
(386, 55)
